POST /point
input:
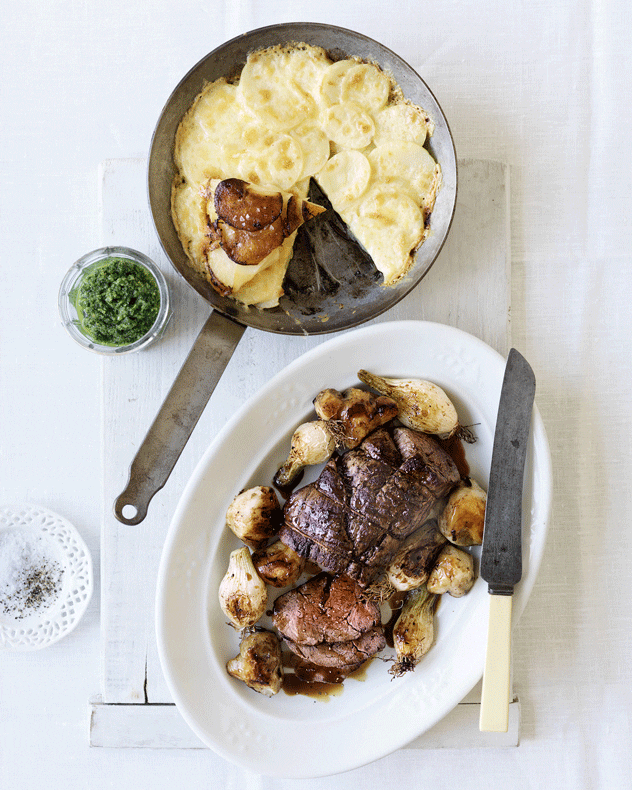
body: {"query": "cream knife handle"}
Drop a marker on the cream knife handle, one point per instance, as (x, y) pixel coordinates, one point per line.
(496, 678)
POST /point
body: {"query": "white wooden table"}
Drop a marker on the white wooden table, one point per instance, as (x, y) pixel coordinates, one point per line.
(543, 87)
(468, 287)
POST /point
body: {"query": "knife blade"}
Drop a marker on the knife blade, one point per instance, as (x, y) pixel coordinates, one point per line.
(501, 557)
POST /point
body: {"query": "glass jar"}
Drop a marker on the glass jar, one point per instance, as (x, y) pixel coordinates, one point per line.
(88, 264)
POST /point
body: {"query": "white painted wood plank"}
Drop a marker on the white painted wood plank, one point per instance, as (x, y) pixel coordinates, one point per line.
(133, 389)
(467, 287)
(140, 726)
(162, 727)
(459, 730)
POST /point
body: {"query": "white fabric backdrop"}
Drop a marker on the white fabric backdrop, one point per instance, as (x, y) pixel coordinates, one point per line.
(541, 85)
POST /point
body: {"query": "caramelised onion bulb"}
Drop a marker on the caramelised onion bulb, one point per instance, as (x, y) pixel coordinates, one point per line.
(422, 405)
(413, 633)
(254, 516)
(278, 564)
(259, 664)
(312, 443)
(463, 518)
(415, 558)
(352, 415)
(243, 595)
(453, 572)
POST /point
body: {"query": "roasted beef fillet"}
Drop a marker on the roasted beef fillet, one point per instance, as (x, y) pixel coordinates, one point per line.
(326, 621)
(341, 655)
(367, 501)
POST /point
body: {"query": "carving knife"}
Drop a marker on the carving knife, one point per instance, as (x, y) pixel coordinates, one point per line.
(501, 557)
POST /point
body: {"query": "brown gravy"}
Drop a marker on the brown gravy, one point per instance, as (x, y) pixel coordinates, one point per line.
(293, 685)
(455, 449)
(316, 682)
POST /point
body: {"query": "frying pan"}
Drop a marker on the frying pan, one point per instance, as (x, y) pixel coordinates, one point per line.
(330, 285)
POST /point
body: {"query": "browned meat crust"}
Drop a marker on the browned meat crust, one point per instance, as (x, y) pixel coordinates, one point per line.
(354, 517)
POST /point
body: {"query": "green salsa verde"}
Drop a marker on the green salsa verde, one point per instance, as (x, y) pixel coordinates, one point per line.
(117, 302)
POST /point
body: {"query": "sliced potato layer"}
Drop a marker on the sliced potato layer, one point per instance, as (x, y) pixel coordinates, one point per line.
(277, 162)
(345, 177)
(270, 91)
(307, 66)
(331, 85)
(401, 121)
(365, 85)
(390, 225)
(294, 114)
(409, 162)
(314, 144)
(348, 125)
(393, 208)
(266, 287)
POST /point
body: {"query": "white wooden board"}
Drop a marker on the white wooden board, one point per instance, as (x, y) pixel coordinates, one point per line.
(162, 727)
(468, 287)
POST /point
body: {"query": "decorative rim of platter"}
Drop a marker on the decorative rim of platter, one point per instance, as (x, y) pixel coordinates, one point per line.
(50, 623)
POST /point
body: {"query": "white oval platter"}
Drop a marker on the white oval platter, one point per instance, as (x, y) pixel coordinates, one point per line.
(297, 736)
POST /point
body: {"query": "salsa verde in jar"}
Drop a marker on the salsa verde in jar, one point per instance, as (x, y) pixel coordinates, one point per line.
(117, 301)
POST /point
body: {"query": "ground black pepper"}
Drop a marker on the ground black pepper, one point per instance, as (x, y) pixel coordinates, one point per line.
(30, 580)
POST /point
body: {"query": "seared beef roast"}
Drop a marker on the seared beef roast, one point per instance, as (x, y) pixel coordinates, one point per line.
(327, 622)
(354, 517)
(341, 655)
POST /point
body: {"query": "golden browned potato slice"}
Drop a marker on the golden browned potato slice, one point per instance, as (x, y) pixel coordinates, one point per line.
(230, 206)
(348, 125)
(314, 144)
(277, 162)
(409, 162)
(248, 248)
(402, 121)
(333, 76)
(270, 93)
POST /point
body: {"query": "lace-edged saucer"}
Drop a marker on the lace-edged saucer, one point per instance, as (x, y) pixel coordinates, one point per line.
(44, 600)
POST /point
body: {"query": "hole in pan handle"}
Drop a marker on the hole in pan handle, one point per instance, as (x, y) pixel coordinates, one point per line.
(178, 416)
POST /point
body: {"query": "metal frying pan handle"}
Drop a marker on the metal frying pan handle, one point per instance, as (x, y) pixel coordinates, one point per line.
(178, 415)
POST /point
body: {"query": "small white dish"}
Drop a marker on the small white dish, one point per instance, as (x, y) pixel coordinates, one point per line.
(36, 627)
(296, 736)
